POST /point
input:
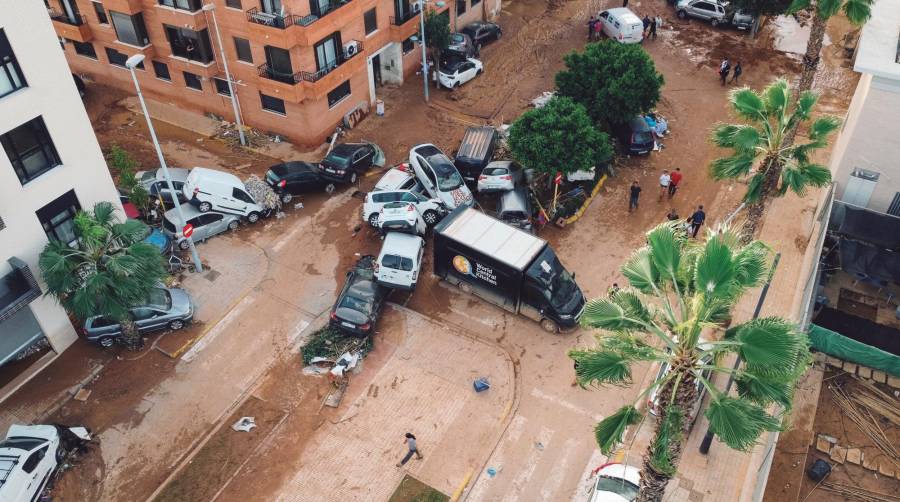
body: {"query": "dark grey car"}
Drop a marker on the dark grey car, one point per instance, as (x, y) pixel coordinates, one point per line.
(462, 45)
(167, 308)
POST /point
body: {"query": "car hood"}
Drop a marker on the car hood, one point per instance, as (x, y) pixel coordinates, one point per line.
(181, 301)
(456, 197)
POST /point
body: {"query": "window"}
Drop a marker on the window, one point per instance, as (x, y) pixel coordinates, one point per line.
(118, 59)
(30, 150)
(460, 7)
(241, 195)
(272, 104)
(893, 209)
(11, 78)
(242, 47)
(192, 80)
(130, 29)
(162, 71)
(34, 459)
(475, 2)
(408, 45)
(85, 49)
(190, 5)
(101, 14)
(327, 52)
(222, 86)
(58, 218)
(234, 4)
(338, 93)
(189, 44)
(370, 19)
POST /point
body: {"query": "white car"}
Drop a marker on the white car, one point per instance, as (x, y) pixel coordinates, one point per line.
(622, 25)
(457, 73)
(399, 261)
(401, 217)
(399, 177)
(499, 176)
(439, 176)
(616, 483)
(29, 455)
(432, 210)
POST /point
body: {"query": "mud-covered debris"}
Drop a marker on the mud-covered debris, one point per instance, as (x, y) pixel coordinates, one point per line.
(262, 193)
(245, 424)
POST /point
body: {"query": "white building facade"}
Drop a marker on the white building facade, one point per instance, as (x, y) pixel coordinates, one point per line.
(50, 167)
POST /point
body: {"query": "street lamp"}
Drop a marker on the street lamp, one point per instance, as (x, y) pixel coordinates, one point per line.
(421, 4)
(131, 63)
(234, 104)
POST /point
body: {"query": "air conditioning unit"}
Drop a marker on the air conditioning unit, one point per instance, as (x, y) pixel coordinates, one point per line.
(351, 48)
(416, 8)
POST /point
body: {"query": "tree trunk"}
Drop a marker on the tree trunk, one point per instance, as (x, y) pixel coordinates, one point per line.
(653, 479)
(756, 211)
(133, 340)
(810, 65)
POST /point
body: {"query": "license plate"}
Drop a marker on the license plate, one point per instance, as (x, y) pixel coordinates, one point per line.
(348, 325)
(329, 170)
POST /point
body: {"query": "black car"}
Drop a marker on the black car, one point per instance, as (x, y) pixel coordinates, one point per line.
(347, 161)
(636, 136)
(293, 178)
(358, 306)
(482, 32)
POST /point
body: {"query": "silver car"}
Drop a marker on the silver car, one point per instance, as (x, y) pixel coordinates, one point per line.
(708, 10)
(156, 185)
(205, 225)
(167, 308)
(499, 176)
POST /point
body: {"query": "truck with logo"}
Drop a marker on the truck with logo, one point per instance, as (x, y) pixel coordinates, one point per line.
(508, 267)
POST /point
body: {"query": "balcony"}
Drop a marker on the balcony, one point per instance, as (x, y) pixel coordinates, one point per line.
(280, 85)
(17, 289)
(71, 27)
(403, 27)
(124, 6)
(326, 79)
(288, 30)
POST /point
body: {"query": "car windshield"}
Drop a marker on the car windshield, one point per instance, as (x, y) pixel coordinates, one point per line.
(160, 298)
(495, 171)
(457, 38)
(559, 284)
(643, 137)
(148, 176)
(619, 486)
(337, 159)
(448, 177)
(22, 443)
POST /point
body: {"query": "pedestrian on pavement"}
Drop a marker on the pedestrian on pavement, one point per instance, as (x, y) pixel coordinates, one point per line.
(575, 378)
(590, 26)
(598, 27)
(696, 220)
(613, 290)
(654, 24)
(737, 72)
(647, 23)
(413, 449)
(674, 180)
(673, 215)
(724, 68)
(624, 3)
(633, 198)
(664, 181)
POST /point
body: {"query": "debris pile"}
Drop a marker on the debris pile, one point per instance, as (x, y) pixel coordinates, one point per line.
(263, 193)
(228, 133)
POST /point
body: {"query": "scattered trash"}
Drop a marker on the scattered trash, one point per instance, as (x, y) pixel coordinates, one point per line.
(263, 193)
(347, 361)
(333, 400)
(245, 424)
(481, 384)
(491, 471)
(539, 445)
(82, 395)
(298, 205)
(542, 100)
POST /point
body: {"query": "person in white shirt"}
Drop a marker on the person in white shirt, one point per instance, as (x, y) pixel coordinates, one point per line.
(664, 181)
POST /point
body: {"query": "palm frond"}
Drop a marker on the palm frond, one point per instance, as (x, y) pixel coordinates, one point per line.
(604, 313)
(599, 367)
(771, 343)
(858, 11)
(748, 104)
(822, 127)
(797, 6)
(723, 135)
(750, 264)
(777, 95)
(731, 167)
(609, 431)
(630, 346)
(715, 270)
(754, 188)
(738, 422)
(827, 8)
(632, 307)
(665, 251)
(763, 392)
(640, 272)
(104, 214)
(804, 107)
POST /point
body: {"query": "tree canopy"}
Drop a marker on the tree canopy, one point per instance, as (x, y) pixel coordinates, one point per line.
(437, 31)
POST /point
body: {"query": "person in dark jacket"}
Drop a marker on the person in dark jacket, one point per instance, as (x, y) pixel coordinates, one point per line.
(591, 23)
(696, 220)
(724, 69)
(647, 23)
(737, 72)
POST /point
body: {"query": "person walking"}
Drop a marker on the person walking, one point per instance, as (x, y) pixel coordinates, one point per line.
(664, 181)
(654, 24)
(737, 72)
(413, 449)
(591, 22)
(674, 180)
(624, 3)
(724, 68)
(635, 195)
(696, 220)
(646, 22)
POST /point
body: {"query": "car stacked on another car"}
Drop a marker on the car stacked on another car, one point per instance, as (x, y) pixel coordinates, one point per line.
(461, 47)
(399, 177)
(482, 32)
(294, 178)
(155, 184)
(457, 72)
(167, 308)
(436, 172)
(205, 225)
(346, 162)
(359, 304)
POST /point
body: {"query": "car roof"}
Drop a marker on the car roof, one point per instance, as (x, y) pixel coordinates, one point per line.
(292, 167)
(403, 243)
(345, 148)
(176, 173)
(214, 175)
(392, 179)
(624, 13)
(508, 164)
(639, 124)
(616, 470)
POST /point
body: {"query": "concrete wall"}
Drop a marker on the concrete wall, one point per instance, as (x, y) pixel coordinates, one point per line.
(50, 94)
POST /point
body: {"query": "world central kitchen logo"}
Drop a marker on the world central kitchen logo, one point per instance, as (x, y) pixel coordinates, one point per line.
(479, 271)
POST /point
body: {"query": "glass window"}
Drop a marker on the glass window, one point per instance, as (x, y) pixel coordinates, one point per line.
(370, 19)
(118, 59)
(130, 29)
(242, 47)
(30, 150)
(189, 44)
(222, 86)
(11, 78)
(475, 2)
(338, 93)
(85, 49)
(190, 5)
(327, 52)
(58, 218)
(162, 71)
(241, 195)
(193, 81)
(234, 4)
(408, 45)
(460, 7)
(101, 13)
(272, 104)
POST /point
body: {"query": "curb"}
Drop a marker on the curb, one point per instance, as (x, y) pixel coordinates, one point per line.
(587, 203)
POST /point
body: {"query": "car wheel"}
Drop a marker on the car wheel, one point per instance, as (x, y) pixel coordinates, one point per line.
(176, 324)
(714, 22)
(456, 84)
(682, 14)
(549, 326)
(286, 198)
(430, 217)
(499, 34)
(204, 207)
(373, 220)
(107, 341)
(353, 177)
(60, 453)
(233, 225)
(480, 71)
(184, 245)
(253, 217)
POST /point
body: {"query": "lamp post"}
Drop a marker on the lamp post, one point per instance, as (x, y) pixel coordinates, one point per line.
(234, 104)
(131, 63)
(425, 69)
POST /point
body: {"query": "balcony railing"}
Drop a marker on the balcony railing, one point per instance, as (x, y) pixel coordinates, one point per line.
(266, 71)
(257, 16)
(342, 58)
(403, 19)
(17, 288)
(55, 15)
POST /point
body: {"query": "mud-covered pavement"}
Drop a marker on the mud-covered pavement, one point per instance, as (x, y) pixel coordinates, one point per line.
(159, 418)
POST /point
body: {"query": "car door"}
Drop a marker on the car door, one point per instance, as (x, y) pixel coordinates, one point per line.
(143, 318)
(364, 159)
(101, 326)
(213, 223)
(604, 22)
(469, 72)
(242, 200)
(703, 10)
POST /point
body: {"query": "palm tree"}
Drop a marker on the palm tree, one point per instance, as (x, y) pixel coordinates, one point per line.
(107, 272)
(682, 291)
(758, 147)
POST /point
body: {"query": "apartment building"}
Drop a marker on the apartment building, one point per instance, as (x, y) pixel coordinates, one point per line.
(50, 167)
(299, 67)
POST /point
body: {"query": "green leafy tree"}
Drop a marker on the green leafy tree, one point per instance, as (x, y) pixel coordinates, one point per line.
(613, 81)
(109, 271)
(559, 136)
(679, 290)
(125, 166)
(437, 33)
(758, 148)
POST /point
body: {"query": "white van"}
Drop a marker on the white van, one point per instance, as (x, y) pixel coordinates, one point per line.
(399, 261)
(209, 190)
(622, 25)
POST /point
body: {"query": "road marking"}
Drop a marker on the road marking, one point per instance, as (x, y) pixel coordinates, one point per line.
(552, 485)
(565, 404)
(534, 457)
(216, 330)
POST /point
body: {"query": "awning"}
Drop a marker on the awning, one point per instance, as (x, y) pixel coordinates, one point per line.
(18, 333)
(869, 263)
(879, 229)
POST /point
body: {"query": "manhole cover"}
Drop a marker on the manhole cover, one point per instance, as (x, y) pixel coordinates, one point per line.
(212, 275)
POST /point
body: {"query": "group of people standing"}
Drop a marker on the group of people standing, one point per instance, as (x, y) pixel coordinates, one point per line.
(725, 68)
(668, 186)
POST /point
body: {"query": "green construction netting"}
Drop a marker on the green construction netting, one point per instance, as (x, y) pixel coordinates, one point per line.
(838, 345)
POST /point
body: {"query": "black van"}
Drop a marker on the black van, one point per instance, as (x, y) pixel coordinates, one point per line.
(475, 152)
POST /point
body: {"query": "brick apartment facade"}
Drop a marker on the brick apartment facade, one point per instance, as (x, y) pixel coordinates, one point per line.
(298, 66)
